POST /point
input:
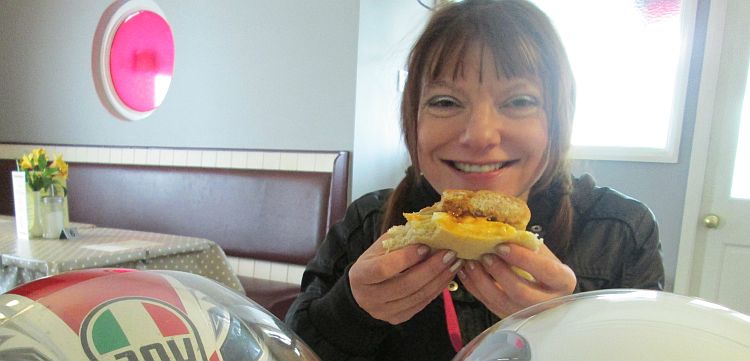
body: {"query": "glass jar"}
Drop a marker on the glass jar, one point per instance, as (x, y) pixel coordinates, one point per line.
(52, 217)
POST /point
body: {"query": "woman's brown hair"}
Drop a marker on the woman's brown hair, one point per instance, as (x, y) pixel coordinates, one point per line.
(523, 43)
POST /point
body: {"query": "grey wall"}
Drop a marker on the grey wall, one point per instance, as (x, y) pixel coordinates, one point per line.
(248, 74)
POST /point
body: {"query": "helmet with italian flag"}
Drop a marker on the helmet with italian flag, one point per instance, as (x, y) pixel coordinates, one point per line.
(130, 315)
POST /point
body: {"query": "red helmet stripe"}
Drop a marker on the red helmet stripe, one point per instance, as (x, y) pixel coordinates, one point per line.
(167, 322)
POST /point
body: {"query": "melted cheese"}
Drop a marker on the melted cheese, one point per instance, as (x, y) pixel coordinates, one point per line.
(472, 227)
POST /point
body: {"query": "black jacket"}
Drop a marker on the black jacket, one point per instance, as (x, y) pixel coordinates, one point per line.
(615, 245)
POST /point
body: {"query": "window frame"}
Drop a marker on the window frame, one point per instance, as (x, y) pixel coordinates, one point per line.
(670, 152)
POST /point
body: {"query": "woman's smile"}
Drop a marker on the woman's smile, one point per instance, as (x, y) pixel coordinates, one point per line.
(470, 167)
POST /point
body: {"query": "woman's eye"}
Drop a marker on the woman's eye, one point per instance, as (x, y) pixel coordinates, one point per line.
(522, 101)
(443, 106)
(442, 102)
(521, 106)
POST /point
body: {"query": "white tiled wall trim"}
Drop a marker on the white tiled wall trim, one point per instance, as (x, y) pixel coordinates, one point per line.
(313, 162)
(250, 159)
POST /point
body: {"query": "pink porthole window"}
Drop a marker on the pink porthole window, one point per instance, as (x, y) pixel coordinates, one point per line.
(135, 58)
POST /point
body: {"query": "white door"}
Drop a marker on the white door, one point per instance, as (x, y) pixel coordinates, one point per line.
(719, 259)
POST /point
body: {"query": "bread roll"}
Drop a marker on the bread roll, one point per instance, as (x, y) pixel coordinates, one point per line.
(469, 223)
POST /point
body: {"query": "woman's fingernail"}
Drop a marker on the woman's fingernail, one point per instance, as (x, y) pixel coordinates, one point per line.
(503, 250)
(471, 265)
(461, 274)
(449, 257)
(422, 250)
(457, 265)
(487, 260)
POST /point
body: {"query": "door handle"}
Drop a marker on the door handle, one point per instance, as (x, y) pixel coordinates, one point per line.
(711, 221)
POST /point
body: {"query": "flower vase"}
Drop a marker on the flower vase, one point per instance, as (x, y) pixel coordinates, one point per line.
(35, 213)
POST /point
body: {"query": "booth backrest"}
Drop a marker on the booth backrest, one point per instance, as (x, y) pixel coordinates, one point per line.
(273, 215)
(268, 221)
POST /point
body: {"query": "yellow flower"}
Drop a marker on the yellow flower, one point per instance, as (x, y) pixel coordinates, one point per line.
(26, 162)
(62, 168)
(41, 173)
(36, 153)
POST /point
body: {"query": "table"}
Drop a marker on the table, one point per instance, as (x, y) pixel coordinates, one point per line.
(22, 261)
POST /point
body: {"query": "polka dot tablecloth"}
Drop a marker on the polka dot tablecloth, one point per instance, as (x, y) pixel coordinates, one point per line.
(24, 261)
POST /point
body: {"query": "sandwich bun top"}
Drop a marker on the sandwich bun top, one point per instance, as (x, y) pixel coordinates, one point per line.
(486, 204)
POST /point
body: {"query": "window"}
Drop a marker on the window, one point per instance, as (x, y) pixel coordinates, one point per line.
(630, 59)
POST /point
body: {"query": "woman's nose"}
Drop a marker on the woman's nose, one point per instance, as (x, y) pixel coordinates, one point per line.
(482, 128)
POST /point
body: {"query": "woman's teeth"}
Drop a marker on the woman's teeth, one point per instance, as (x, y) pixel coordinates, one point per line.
(477, 168)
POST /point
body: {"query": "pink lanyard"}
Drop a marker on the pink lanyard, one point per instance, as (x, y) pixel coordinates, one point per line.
(454, 331)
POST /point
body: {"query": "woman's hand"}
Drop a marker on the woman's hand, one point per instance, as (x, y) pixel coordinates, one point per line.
(502, 291)
(393, 287)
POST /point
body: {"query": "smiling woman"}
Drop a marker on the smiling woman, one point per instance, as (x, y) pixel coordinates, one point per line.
(487, 106)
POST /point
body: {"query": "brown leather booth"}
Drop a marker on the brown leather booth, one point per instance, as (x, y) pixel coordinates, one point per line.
(272, 215)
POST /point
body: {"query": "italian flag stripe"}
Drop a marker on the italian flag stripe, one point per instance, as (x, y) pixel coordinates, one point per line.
(167, 322)
(107, 335)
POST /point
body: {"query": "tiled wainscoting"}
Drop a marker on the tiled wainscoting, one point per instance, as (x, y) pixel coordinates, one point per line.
(208, 158)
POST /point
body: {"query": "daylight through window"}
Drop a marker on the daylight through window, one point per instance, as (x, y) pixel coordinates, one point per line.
(630, 64)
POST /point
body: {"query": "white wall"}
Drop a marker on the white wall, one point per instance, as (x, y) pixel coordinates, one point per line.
(387, 30)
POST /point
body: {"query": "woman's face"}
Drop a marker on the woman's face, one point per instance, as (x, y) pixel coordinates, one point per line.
(489, 134)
